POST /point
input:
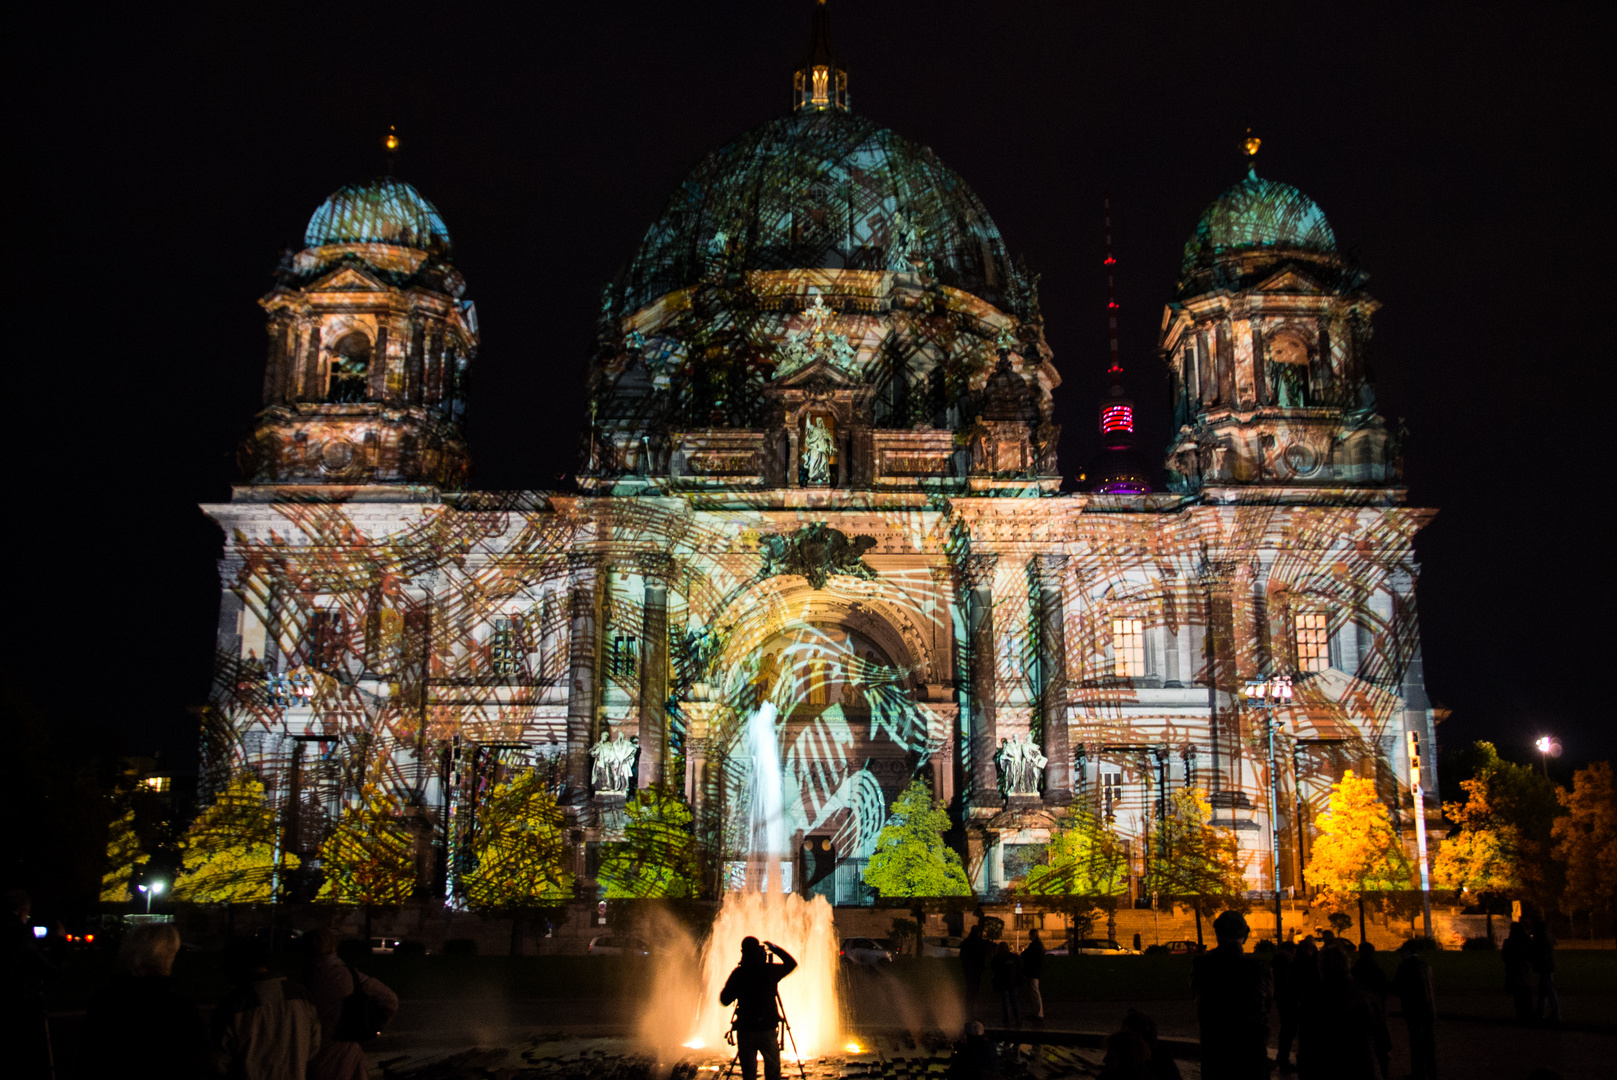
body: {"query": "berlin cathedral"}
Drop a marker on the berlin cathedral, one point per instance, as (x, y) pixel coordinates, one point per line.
(818, 471)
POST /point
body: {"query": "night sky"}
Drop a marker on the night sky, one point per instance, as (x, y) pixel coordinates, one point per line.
(158, 160)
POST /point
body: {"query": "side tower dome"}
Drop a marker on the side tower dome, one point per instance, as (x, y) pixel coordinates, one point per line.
(1267, 344)
(822, 303)
(369, 342)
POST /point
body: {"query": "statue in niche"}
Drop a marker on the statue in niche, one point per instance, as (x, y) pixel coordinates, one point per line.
(615, 757)
(1021, 764)
(817, 451)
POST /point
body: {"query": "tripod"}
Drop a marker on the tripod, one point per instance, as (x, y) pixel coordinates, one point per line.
(782, 1033)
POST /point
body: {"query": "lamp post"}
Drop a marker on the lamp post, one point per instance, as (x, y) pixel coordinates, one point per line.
(1419, 795)
(1266, 694)
(150, 890)
(1545, 745)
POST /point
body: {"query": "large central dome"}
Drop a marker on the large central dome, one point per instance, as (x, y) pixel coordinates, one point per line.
(821, 190)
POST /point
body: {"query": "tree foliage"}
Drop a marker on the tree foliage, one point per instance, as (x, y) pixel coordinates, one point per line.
(911, 858)
(657, 857)
(1192, 861)
(1503, 830)
(520, 849)
(228, 853)
(1357, 851)
(1586, 839)
(1084, 860)
(124, 858)
(369, 858)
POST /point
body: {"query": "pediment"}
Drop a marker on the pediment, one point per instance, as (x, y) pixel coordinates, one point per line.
(347, 279)
(1289, 281)
(819, 372)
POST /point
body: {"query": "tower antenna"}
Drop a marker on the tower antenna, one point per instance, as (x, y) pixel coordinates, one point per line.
(1116, 370)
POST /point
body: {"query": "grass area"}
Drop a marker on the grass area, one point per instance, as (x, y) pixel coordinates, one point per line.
(200, 976)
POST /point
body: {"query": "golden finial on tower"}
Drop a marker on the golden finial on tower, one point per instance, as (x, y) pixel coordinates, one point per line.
(390, 143)
(1249, 146)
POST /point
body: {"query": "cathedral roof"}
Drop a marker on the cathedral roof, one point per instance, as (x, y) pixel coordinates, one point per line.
(380, 211)
(1259, 214)
(821, 189)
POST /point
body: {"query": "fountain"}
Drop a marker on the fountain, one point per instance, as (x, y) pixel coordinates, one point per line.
(686, 1009)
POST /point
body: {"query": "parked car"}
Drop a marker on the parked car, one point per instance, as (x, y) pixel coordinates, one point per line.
(609, 945)
(941, 946)
(863, 950)
(1183, 948)
(1058, 949)
(1102, 947)
(385, 946)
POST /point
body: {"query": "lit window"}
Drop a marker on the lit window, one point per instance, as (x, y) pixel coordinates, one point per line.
(158, 784)
(1313, 641)
(1128, 648)
(502, 648)
(623, 656)
(1111, 788)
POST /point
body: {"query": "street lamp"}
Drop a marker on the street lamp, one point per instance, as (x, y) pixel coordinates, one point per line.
(1266, 694)
(151, 890)
(1547, 748)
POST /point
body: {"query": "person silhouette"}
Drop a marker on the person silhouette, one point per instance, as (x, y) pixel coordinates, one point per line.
(752, 987)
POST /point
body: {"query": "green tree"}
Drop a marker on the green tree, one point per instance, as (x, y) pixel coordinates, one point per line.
(520, 849)
(1483, 854)
(124, 858)
(657, 857)
(1586, 840)
(1084, 869)
(911, 860)
(228, 853)
(1356, 851)
(1518, 805)
(369, 858)
(1194, 862)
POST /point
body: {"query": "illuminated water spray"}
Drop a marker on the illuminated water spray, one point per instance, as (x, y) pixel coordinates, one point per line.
(762, 908)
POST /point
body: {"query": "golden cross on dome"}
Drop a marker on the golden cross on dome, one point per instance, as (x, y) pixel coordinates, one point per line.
(818, 312)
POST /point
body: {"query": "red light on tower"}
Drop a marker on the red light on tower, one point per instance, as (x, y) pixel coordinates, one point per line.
(1117, 418)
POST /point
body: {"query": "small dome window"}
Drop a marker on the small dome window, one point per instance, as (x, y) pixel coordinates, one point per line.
(350, 368)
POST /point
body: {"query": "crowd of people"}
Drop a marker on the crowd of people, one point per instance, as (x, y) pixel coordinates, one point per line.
(268, 1027)
(1331, 999)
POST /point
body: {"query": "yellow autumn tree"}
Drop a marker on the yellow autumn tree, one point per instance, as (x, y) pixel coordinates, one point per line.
(369, 857)
(519, 849)
(228, 854)
(1193, 861)
(1356, 851)
(124, 859)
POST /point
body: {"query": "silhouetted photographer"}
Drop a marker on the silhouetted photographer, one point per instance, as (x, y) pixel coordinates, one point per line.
(753, 988)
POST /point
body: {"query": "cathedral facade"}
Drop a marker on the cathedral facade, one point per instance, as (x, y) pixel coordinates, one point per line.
(819, 471)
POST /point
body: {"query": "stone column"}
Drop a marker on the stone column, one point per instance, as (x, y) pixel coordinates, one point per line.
(584, 574)
(1050, 572)
(979, 583)
(655, 569)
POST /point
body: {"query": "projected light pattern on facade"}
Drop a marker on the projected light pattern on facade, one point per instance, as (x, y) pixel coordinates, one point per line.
(819, 473)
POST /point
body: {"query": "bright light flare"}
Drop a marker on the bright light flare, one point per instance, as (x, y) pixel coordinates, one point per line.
(1543, 744)
(854, 1048)
(694, 1044)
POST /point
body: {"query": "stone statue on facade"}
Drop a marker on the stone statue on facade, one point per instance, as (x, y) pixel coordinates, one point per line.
(1021, 764)
(614, 763)
(817, 452)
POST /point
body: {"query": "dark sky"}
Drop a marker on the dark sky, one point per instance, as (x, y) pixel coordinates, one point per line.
(158, 159)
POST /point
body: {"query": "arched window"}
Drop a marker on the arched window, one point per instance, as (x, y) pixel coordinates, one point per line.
(350, 368)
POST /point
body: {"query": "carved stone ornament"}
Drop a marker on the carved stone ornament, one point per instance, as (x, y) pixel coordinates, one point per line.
(816, 551)
(802, 347)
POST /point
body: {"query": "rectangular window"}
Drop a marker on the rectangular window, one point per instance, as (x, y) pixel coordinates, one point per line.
(1193, 384)
(1111, 789)
(326, 644)
(1128, 648)
(623, 657)
(503, 657)
(1313, 634)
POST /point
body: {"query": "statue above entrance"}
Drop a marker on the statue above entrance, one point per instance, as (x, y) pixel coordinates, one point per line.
(815, 551)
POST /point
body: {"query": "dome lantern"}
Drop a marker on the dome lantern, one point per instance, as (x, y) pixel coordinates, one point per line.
(820, 84)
